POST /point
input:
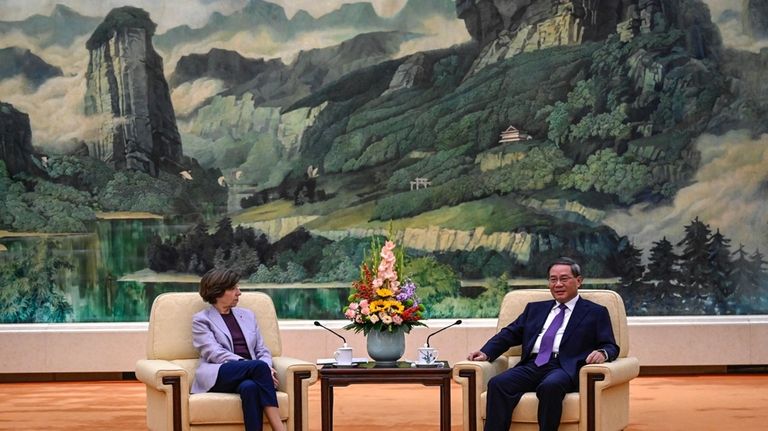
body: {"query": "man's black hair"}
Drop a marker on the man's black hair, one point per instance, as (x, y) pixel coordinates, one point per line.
(575, 268)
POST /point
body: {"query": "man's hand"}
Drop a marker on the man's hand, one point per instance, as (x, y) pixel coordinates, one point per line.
(477, 356)
(596, 357)
(274, 377)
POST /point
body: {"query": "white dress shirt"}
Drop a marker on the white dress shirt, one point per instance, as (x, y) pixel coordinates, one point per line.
(559, 335)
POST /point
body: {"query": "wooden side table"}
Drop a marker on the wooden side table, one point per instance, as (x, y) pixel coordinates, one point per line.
(331, 376)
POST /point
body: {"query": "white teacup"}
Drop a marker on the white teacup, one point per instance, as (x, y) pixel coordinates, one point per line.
(343, 356)
(426, 355)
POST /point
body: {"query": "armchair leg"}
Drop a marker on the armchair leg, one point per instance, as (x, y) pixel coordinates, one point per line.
(592, 378)
(472, 398)
(175, 383)
(298, 377)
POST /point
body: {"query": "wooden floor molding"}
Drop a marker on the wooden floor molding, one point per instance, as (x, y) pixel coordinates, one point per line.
(722, 402)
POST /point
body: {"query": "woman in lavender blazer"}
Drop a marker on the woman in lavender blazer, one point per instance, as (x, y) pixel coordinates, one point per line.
(233, 357)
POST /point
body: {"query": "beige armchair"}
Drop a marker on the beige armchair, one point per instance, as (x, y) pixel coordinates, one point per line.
(602, 403)
(170, 366)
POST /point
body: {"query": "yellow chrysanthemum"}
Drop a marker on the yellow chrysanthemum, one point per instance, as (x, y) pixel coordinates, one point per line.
(384, 292)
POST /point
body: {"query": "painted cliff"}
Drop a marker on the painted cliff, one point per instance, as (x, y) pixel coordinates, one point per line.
(125, 82)
(15, 141)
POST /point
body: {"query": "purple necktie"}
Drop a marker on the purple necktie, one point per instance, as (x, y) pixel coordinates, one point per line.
(548, 340)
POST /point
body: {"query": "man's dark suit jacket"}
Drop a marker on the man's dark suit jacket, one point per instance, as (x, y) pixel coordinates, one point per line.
(589, 328)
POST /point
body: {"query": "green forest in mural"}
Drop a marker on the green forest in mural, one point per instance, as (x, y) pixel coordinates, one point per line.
(141, 148)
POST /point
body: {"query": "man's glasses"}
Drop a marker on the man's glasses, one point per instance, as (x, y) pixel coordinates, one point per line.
(563, 280)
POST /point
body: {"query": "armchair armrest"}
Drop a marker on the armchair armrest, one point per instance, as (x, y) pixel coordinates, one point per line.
(483, 370)
(595, 380)
(473, 377)
(167, 391)
(294, 377)
(286, 368)
(152, 371)
(613, 373)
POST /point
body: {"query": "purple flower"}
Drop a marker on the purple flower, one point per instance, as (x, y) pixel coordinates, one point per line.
(406, 291)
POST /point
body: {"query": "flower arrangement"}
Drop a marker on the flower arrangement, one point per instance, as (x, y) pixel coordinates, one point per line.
(381, 301)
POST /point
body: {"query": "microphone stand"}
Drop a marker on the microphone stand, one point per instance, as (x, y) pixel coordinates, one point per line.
(458, 322)
(332, 332)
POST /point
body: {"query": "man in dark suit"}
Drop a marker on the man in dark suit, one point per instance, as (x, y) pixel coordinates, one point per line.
(557, 338)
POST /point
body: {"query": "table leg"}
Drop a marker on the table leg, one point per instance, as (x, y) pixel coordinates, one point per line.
(326, 405)
(445, 405)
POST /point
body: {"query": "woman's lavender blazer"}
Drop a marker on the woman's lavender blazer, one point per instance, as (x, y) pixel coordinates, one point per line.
(212, 339)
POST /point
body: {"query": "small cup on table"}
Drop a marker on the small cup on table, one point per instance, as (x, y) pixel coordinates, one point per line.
(426, 356)
(343, 356)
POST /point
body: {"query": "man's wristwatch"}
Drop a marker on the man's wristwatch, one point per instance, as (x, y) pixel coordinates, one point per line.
(605, 354)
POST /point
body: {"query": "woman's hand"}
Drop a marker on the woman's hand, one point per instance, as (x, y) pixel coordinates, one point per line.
(274, 377)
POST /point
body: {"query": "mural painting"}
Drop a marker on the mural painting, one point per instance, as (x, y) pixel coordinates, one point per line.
(143, 143)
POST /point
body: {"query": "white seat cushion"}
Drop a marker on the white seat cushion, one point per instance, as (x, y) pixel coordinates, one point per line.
(221, 408)
(527, 409)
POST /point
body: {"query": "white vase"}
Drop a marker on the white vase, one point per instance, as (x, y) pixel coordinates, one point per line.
(385, 347)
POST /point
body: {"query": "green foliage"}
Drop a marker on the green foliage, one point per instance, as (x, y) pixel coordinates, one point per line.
(19, 216)
(662, 264)
(340, 260)
(576, 121)
(346, 148)
(486, 305)
(479, 263)
(292, 273)
(434, 167)
(239, 258)
(607, 172)
(64, 208)
(82, 173)
(415, 202)
(32, 286)
(582, 95)
(720, 268)
(629, 265)
(534, 172)
(608, 125)
(308, 255)
(84, 185)
(610, 56)
(670, 110)
(347, 135)
(198, 251)
(559, 120)
(462, 130)
(46, 208)
(434, 281)
(137, 191)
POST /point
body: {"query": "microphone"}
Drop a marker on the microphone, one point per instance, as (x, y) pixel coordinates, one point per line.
(334, 333)
(458, 322)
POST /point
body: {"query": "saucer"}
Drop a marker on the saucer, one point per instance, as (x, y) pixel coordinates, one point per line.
(432, 365)
(352, 365)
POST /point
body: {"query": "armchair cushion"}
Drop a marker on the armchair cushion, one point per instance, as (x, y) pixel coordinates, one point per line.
(219, 408)
(527, 410)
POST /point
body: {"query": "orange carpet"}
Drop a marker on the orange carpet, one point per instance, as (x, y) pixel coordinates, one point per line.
(680, 403)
